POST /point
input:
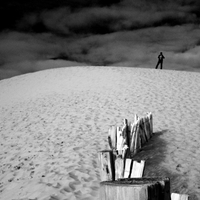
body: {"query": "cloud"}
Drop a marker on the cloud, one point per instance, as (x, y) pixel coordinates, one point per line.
(15, 46)
(127, 15)
(123, 33)
(180, 45)
(24, 52)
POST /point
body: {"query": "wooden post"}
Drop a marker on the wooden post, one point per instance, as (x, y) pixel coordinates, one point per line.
(137, 145)
(130, 134)
(136, 189)
(119, 141)
(150, 119)
(137, 169)
(119, 168)
(175, 196)
(136, 139)
(143, 136)
(112, 138)
(136, 119)
(133, 169)
(132, 143)
(107, 167)
(127, 168)
(125, 133)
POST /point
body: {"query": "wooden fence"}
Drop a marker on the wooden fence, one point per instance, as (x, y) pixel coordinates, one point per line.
(127, 140)
(121, 175)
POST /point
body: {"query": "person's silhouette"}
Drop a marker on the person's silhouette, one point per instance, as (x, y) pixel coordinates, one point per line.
(160, 60)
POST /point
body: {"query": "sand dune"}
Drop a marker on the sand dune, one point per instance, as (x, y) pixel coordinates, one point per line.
(54, 122)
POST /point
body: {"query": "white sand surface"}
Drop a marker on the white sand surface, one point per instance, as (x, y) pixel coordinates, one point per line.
(54, 122)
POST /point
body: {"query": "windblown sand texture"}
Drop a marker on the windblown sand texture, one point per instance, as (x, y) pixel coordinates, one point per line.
(54, 122)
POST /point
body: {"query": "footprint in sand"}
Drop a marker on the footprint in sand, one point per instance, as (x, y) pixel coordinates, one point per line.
(180, 169)
(69, 189)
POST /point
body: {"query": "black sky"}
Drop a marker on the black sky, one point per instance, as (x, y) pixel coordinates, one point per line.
(38, 35)
(12, 11)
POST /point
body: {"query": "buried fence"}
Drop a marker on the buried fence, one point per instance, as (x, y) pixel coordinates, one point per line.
(121, 175)
(129, 139)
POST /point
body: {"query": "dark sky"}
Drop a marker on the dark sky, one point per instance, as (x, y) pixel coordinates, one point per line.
(44, 34)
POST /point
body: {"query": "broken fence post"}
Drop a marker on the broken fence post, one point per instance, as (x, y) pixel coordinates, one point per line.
(107, 167)
(119, 168)
(137, 189)
(132, 136)
(137, 169)
(112, 138)
(175, 196)
(133, 168)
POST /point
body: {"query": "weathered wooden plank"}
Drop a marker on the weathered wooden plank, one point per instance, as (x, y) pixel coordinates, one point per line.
(136, 118)
(112, 138)
(125, 151)
(129, 134)
(137, 169)
(176, 196)
(147, 128)
(119, 168)
(137, 141)
(125, 133)
(115, 192)
(132, 143)
(120, 141)
(150, 118)
(165, 185)
(142, 131)
(109, 139)
(107, 169)
(135, 189)
(127, 168)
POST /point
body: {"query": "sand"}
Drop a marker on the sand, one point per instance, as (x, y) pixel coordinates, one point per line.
(54, 122)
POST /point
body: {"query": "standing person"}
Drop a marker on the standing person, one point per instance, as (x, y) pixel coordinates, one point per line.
(160, 60)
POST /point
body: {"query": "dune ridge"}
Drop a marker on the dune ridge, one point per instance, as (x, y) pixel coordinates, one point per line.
(54, 122)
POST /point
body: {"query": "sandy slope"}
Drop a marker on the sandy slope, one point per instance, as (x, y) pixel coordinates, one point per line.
(53, 123)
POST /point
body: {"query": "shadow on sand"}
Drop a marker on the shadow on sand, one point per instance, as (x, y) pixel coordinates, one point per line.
(154, 154)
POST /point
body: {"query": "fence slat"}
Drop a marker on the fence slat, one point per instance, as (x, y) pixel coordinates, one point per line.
(150, 118)
(112, 137)
(137, 145)
(175, 196)
(107, 168)
(127, 169)
(137, 169)
(119, 168)
(119, 141)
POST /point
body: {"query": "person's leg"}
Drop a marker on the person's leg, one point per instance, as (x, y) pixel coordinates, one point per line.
(161, 64)
(157, 65)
